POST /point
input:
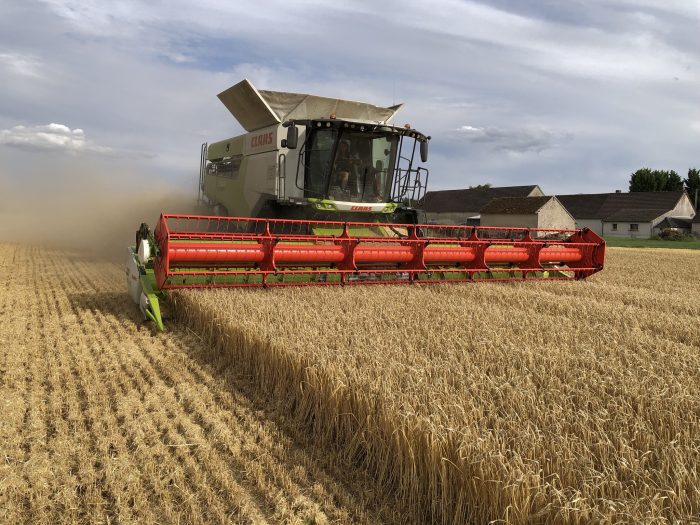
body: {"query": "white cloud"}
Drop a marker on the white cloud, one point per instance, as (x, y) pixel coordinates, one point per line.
(634, 50)
(21, 64)
(514, 140)
(628, 53)
(683, 8)
(50, 137)
(527, 76)
(99, 18)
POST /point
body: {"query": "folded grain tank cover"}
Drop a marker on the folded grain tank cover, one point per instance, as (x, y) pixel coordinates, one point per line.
(255, 109)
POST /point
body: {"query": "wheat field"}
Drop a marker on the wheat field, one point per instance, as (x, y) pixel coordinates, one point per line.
(105, 421)
(505, 403)
(559, 402)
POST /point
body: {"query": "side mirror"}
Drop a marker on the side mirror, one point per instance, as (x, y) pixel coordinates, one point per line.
(292, 137)
(424, 151)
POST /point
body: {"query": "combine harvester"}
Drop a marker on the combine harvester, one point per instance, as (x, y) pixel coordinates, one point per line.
(323, 192)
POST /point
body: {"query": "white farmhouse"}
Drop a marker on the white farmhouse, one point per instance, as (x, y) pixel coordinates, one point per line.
(634, 214)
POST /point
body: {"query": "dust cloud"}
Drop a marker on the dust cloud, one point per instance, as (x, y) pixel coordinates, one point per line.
(85, 206)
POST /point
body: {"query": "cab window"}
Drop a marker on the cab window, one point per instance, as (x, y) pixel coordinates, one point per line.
(318, 158)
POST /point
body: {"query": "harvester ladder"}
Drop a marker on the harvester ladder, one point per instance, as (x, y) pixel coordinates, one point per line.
(202, 170)
(281, 176)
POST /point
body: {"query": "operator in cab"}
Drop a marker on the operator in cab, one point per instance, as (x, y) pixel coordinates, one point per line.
(354, 179)
(344, 173)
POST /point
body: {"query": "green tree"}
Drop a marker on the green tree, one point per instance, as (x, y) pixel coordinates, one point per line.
(480, 186)
(645, 179)
(673, 182)
(692, 185)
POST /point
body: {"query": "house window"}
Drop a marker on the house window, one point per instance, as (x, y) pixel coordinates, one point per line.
(614, 228)
(634, 227)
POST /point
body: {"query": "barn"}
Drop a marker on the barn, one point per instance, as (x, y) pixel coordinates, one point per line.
(527, 212)
(463, 206)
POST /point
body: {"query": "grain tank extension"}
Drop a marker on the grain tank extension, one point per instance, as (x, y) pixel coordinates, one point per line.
(323, 191)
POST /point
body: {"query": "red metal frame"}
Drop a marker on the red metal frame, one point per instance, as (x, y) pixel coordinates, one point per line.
(196, 251)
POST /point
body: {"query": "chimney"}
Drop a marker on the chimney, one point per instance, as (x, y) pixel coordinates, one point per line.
(618, 191)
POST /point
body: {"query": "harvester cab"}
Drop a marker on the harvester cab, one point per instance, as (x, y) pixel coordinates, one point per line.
(311, 157)
(322, 192)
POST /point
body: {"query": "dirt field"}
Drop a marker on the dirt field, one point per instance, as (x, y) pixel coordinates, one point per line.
(554, 402)
(104, 421)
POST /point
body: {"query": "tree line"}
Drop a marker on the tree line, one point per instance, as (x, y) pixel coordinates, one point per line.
(646, 179)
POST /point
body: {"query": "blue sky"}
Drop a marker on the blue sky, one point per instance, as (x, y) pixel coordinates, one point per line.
(572, 96)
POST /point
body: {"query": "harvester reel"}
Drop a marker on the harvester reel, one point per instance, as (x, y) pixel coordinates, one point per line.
(190, 251)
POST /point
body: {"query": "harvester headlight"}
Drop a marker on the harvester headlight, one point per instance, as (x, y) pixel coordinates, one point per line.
(144, 251)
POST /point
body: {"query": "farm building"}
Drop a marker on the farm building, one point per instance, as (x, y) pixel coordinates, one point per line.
(527, 212)
(463, 206)
(695, 226)
(634, 214)
(672, 223)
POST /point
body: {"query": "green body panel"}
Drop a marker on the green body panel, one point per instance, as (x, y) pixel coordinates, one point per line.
(149, 287)
(148, 281)
(243, 192)
(226, 148)
(228, 192)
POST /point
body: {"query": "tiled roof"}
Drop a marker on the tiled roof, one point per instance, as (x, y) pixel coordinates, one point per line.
(515, 205)
(470, 200)
(673, 222)
(638, 206)
(584, 206)
(643, 215)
